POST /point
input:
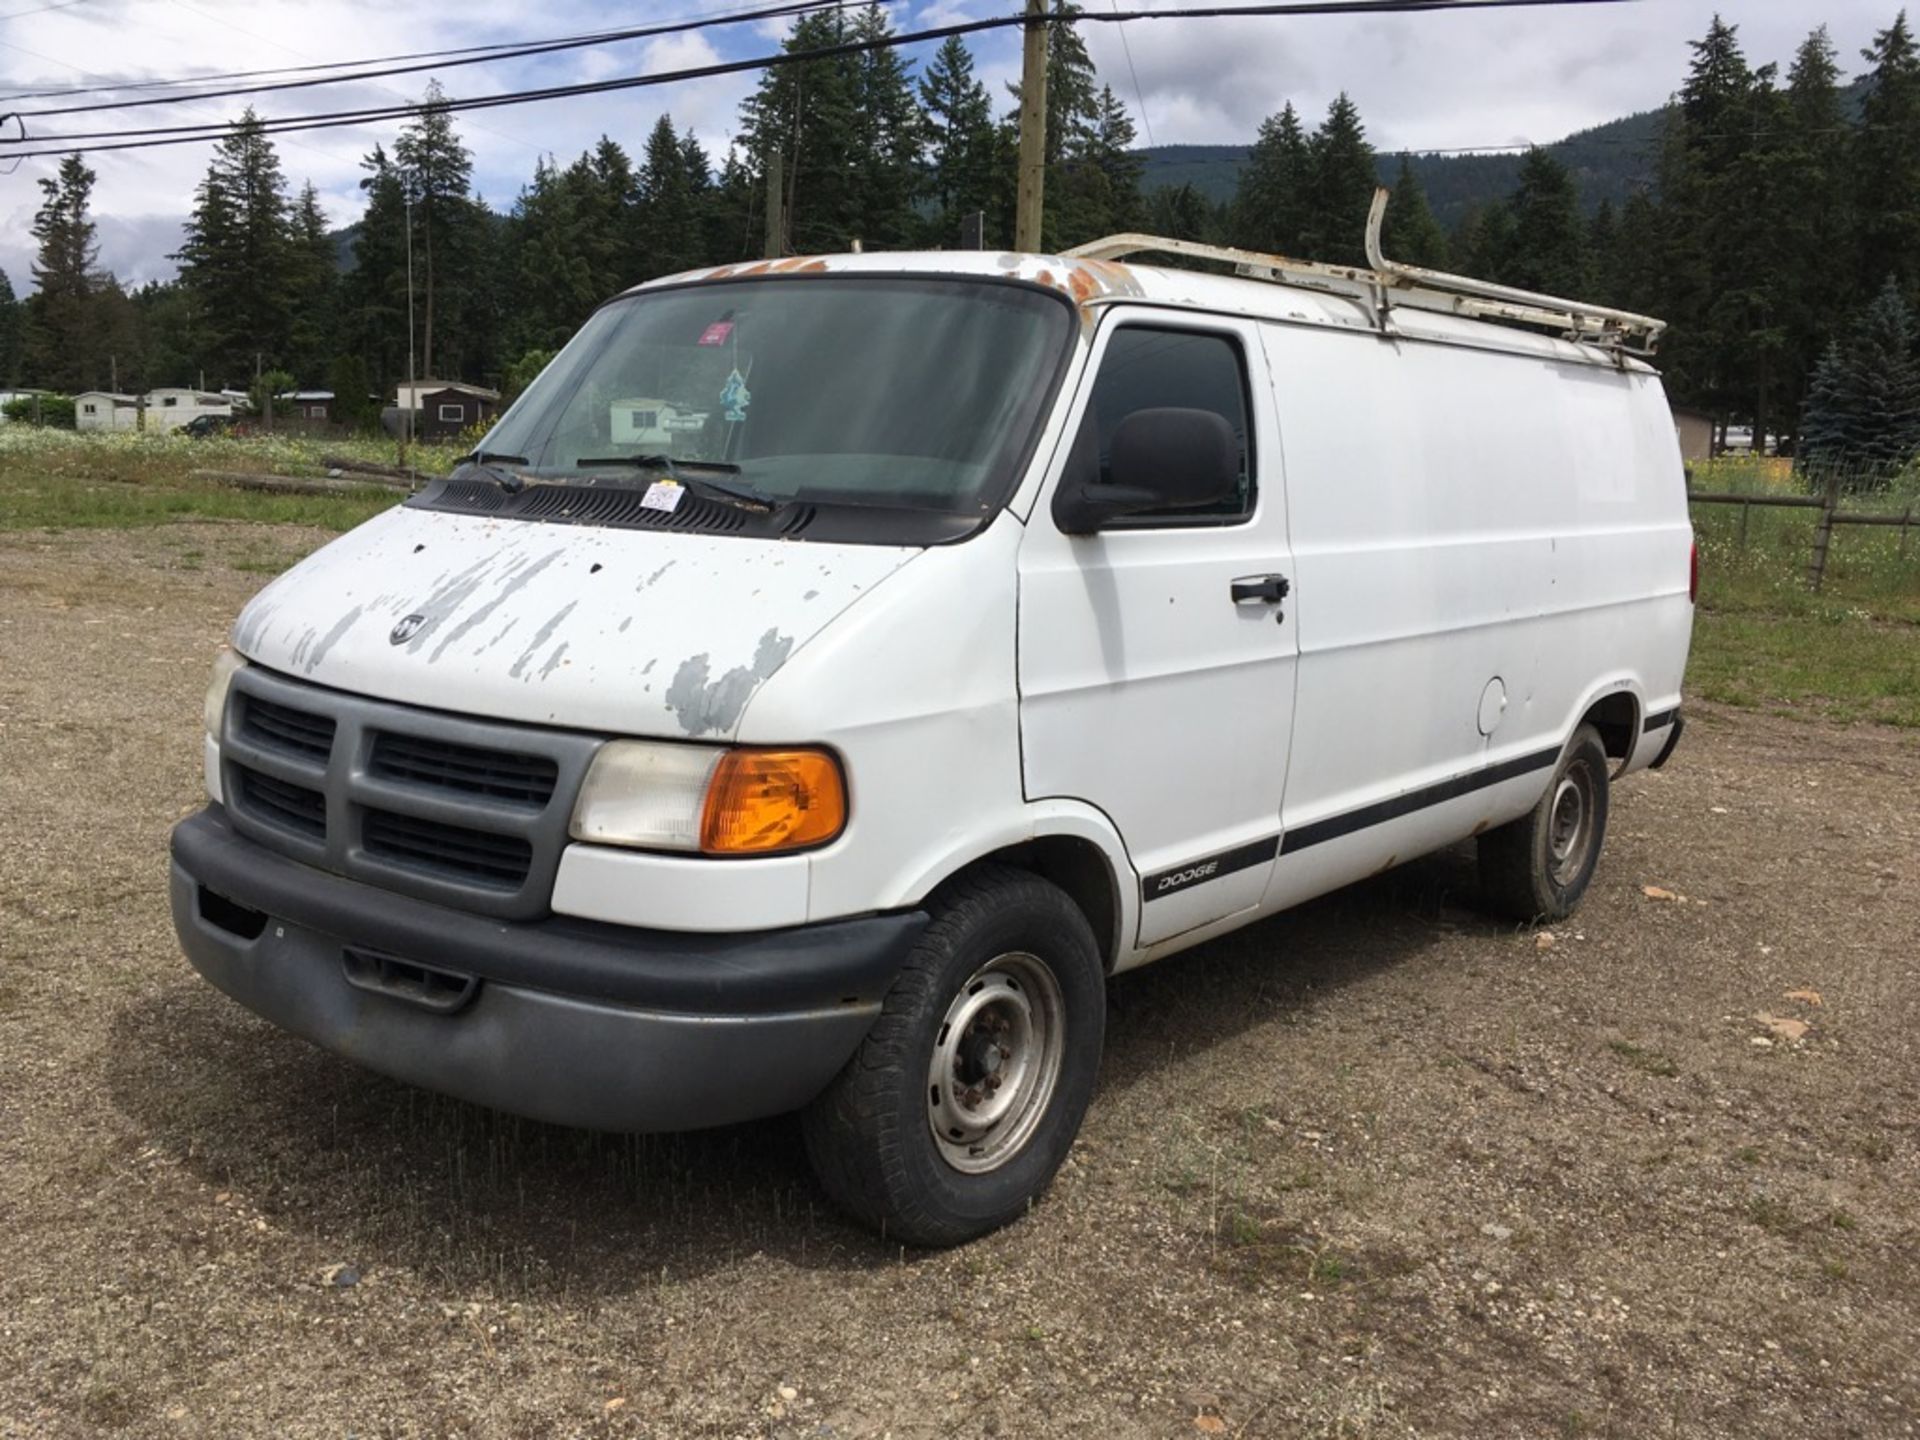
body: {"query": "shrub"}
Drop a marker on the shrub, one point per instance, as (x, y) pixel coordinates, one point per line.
(55, 410)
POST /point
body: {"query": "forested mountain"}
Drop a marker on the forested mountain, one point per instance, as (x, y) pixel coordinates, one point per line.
(1608, 162)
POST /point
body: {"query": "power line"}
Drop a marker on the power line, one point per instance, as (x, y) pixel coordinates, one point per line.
(1138, 93)
(388, 89)
(494, 55)
(147, 138)
(16, 158)
(219, 77)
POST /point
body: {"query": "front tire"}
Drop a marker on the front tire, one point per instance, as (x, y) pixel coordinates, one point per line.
(965, 1097)
(1538, 867)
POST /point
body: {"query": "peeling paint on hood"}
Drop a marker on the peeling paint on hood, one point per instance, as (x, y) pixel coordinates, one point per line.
(633, 632)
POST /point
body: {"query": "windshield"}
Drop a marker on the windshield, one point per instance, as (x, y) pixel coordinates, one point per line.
(920, 393)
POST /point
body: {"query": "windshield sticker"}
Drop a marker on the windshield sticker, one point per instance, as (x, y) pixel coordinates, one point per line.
(662, 495)
(734, 397)
(716, 333)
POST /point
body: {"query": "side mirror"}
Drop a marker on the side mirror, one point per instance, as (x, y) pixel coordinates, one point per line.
(1165, 459)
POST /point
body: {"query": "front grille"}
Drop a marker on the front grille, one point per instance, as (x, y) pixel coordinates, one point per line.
(501, 861)
(467, 813)
(293, 806)
(415, 760)
(280, 727)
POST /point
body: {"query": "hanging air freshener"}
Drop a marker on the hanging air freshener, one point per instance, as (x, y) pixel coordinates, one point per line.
(734, 396)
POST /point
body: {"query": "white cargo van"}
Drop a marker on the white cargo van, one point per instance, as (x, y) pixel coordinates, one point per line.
(950, 633)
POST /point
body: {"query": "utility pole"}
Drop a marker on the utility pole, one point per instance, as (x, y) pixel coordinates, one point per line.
(413, 388)
(1033, 130)
(776, 206)
(113, 373)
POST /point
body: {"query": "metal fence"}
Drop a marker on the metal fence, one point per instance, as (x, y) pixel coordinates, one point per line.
(1831, 515)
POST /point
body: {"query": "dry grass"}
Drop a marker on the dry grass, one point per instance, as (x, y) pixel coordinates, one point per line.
(1380, 1168)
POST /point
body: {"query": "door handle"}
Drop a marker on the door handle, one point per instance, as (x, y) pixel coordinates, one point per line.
(1266, 589)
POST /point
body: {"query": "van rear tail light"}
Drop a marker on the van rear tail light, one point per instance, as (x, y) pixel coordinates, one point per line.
(1693, 574)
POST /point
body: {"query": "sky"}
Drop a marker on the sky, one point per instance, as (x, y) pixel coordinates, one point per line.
(1421, 81)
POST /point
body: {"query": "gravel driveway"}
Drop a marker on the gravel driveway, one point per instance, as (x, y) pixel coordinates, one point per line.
(1381, 1167)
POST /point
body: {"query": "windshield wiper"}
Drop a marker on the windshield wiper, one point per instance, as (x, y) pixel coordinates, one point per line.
(740, 493)
(491, 462)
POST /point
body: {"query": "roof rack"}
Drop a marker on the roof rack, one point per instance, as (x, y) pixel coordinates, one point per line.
(1387, 283)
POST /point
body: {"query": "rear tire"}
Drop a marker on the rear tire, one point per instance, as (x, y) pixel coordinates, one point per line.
(1538, 867)
(965, 1097)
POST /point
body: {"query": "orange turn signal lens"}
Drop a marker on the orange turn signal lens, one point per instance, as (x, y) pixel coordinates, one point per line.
(766, 800)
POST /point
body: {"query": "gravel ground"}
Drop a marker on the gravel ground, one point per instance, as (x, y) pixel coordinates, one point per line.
(1378, 1168)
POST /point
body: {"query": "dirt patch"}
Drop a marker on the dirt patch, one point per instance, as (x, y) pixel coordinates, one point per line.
(1380, 1167)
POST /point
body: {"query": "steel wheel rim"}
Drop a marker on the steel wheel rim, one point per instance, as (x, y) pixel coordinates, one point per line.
(996, 1062)
(1570, 823)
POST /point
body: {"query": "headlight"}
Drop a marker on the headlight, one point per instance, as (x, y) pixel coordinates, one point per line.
(708, 798)
(225, 665)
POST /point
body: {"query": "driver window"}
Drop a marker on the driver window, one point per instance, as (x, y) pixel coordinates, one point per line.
(1145, 368)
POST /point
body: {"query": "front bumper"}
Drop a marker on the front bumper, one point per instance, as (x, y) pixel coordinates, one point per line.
(563, 1020)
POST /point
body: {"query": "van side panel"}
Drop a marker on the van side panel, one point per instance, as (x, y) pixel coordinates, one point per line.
(1479, 539)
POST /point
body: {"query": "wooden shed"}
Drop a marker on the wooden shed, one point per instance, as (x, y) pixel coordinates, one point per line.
(1695, 429)
(446, 407)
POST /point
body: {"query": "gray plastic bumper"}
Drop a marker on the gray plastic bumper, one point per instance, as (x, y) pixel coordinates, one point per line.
(560, 1020)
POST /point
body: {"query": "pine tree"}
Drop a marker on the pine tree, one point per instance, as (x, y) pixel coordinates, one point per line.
(889, 138)
(1485, 242)
(1181, 212)
(1719, 185)
(1813, 230)
(1885, 382)
(1863, 406)
(805, 112)
(1636, 271)
(237, 257)
(734, 216)
(374, 321)
(65, 343)
(848, 133)
(1072, 84)
(961, 149)
(1080, 192)
(550, 268)
(1267, 203)
(1887, 174)
(313, 286)
(436, 171)
(612, 214)
(353, 403)
(669, 220)
(1604, 280)
(1341, 176)
(704, 194)
(1828, 426)
(1549, 246)
(1412, 236)
(1110, 148)
(12, 334)
(166, 340)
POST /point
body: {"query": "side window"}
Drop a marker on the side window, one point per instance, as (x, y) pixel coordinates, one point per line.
(1146, 368)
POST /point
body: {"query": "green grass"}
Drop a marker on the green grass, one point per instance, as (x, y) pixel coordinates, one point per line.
(1763, 640)
(1828, 669)
(53, 479)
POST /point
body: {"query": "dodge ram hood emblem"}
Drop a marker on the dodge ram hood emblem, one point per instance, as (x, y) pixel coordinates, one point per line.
(406, 629)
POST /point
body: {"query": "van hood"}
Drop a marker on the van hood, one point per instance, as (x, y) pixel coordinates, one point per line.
(634, 632)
